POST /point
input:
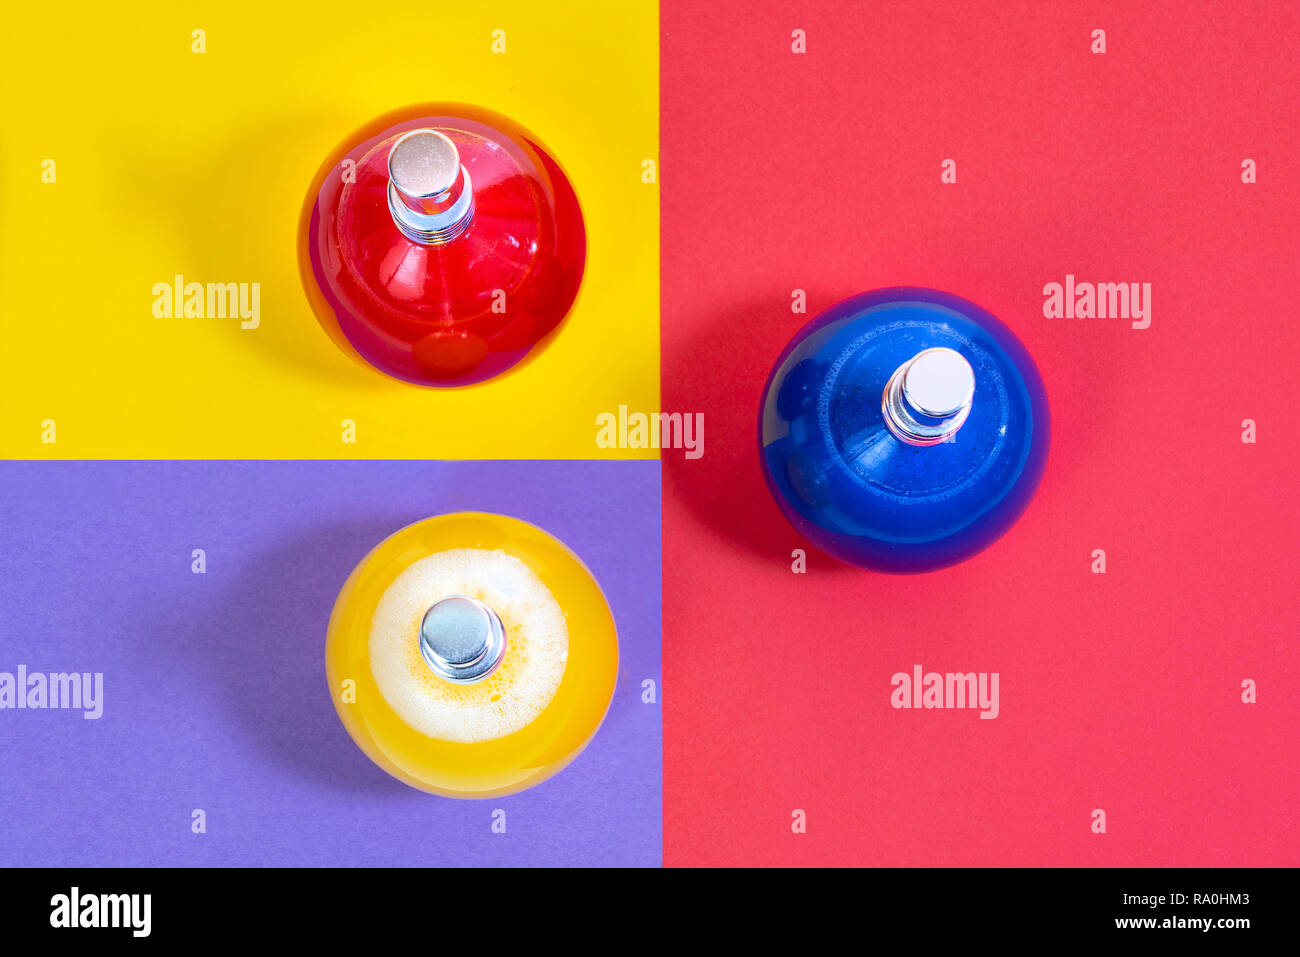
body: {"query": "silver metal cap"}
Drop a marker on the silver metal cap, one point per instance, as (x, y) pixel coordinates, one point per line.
(423, 163)
(462, 639)
(929, 396)
(429, 191)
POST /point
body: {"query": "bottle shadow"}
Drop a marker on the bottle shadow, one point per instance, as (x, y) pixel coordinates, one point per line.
(259, 650)
(725, 489)
(241, 224)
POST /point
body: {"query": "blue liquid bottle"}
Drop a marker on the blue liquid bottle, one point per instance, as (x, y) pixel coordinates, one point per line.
(904, 430)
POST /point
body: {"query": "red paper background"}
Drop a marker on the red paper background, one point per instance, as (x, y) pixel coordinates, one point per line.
(1119, 691)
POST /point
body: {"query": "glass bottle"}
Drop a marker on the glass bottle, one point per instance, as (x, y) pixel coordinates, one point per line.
(441, 244)
(471, 655)
(904, 430)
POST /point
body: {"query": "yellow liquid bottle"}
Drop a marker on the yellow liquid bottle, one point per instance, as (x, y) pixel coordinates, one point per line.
(471, 655)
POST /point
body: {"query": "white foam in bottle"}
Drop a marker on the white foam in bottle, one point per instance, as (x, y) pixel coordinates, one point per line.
(537, 646)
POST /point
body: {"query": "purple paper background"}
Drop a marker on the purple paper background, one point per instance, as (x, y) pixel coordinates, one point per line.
(214, 685)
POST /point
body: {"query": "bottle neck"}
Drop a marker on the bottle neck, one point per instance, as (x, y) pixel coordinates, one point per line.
(928, 398)
(430, 194)
(462, 640)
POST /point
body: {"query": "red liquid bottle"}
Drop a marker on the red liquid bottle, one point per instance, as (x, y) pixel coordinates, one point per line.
(441, 244)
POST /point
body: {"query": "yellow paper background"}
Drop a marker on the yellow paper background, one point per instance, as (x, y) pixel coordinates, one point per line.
(171, 162)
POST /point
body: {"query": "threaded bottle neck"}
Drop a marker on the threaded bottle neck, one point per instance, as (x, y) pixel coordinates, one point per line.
(928, 397)
(429, 192)
(462, 640)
